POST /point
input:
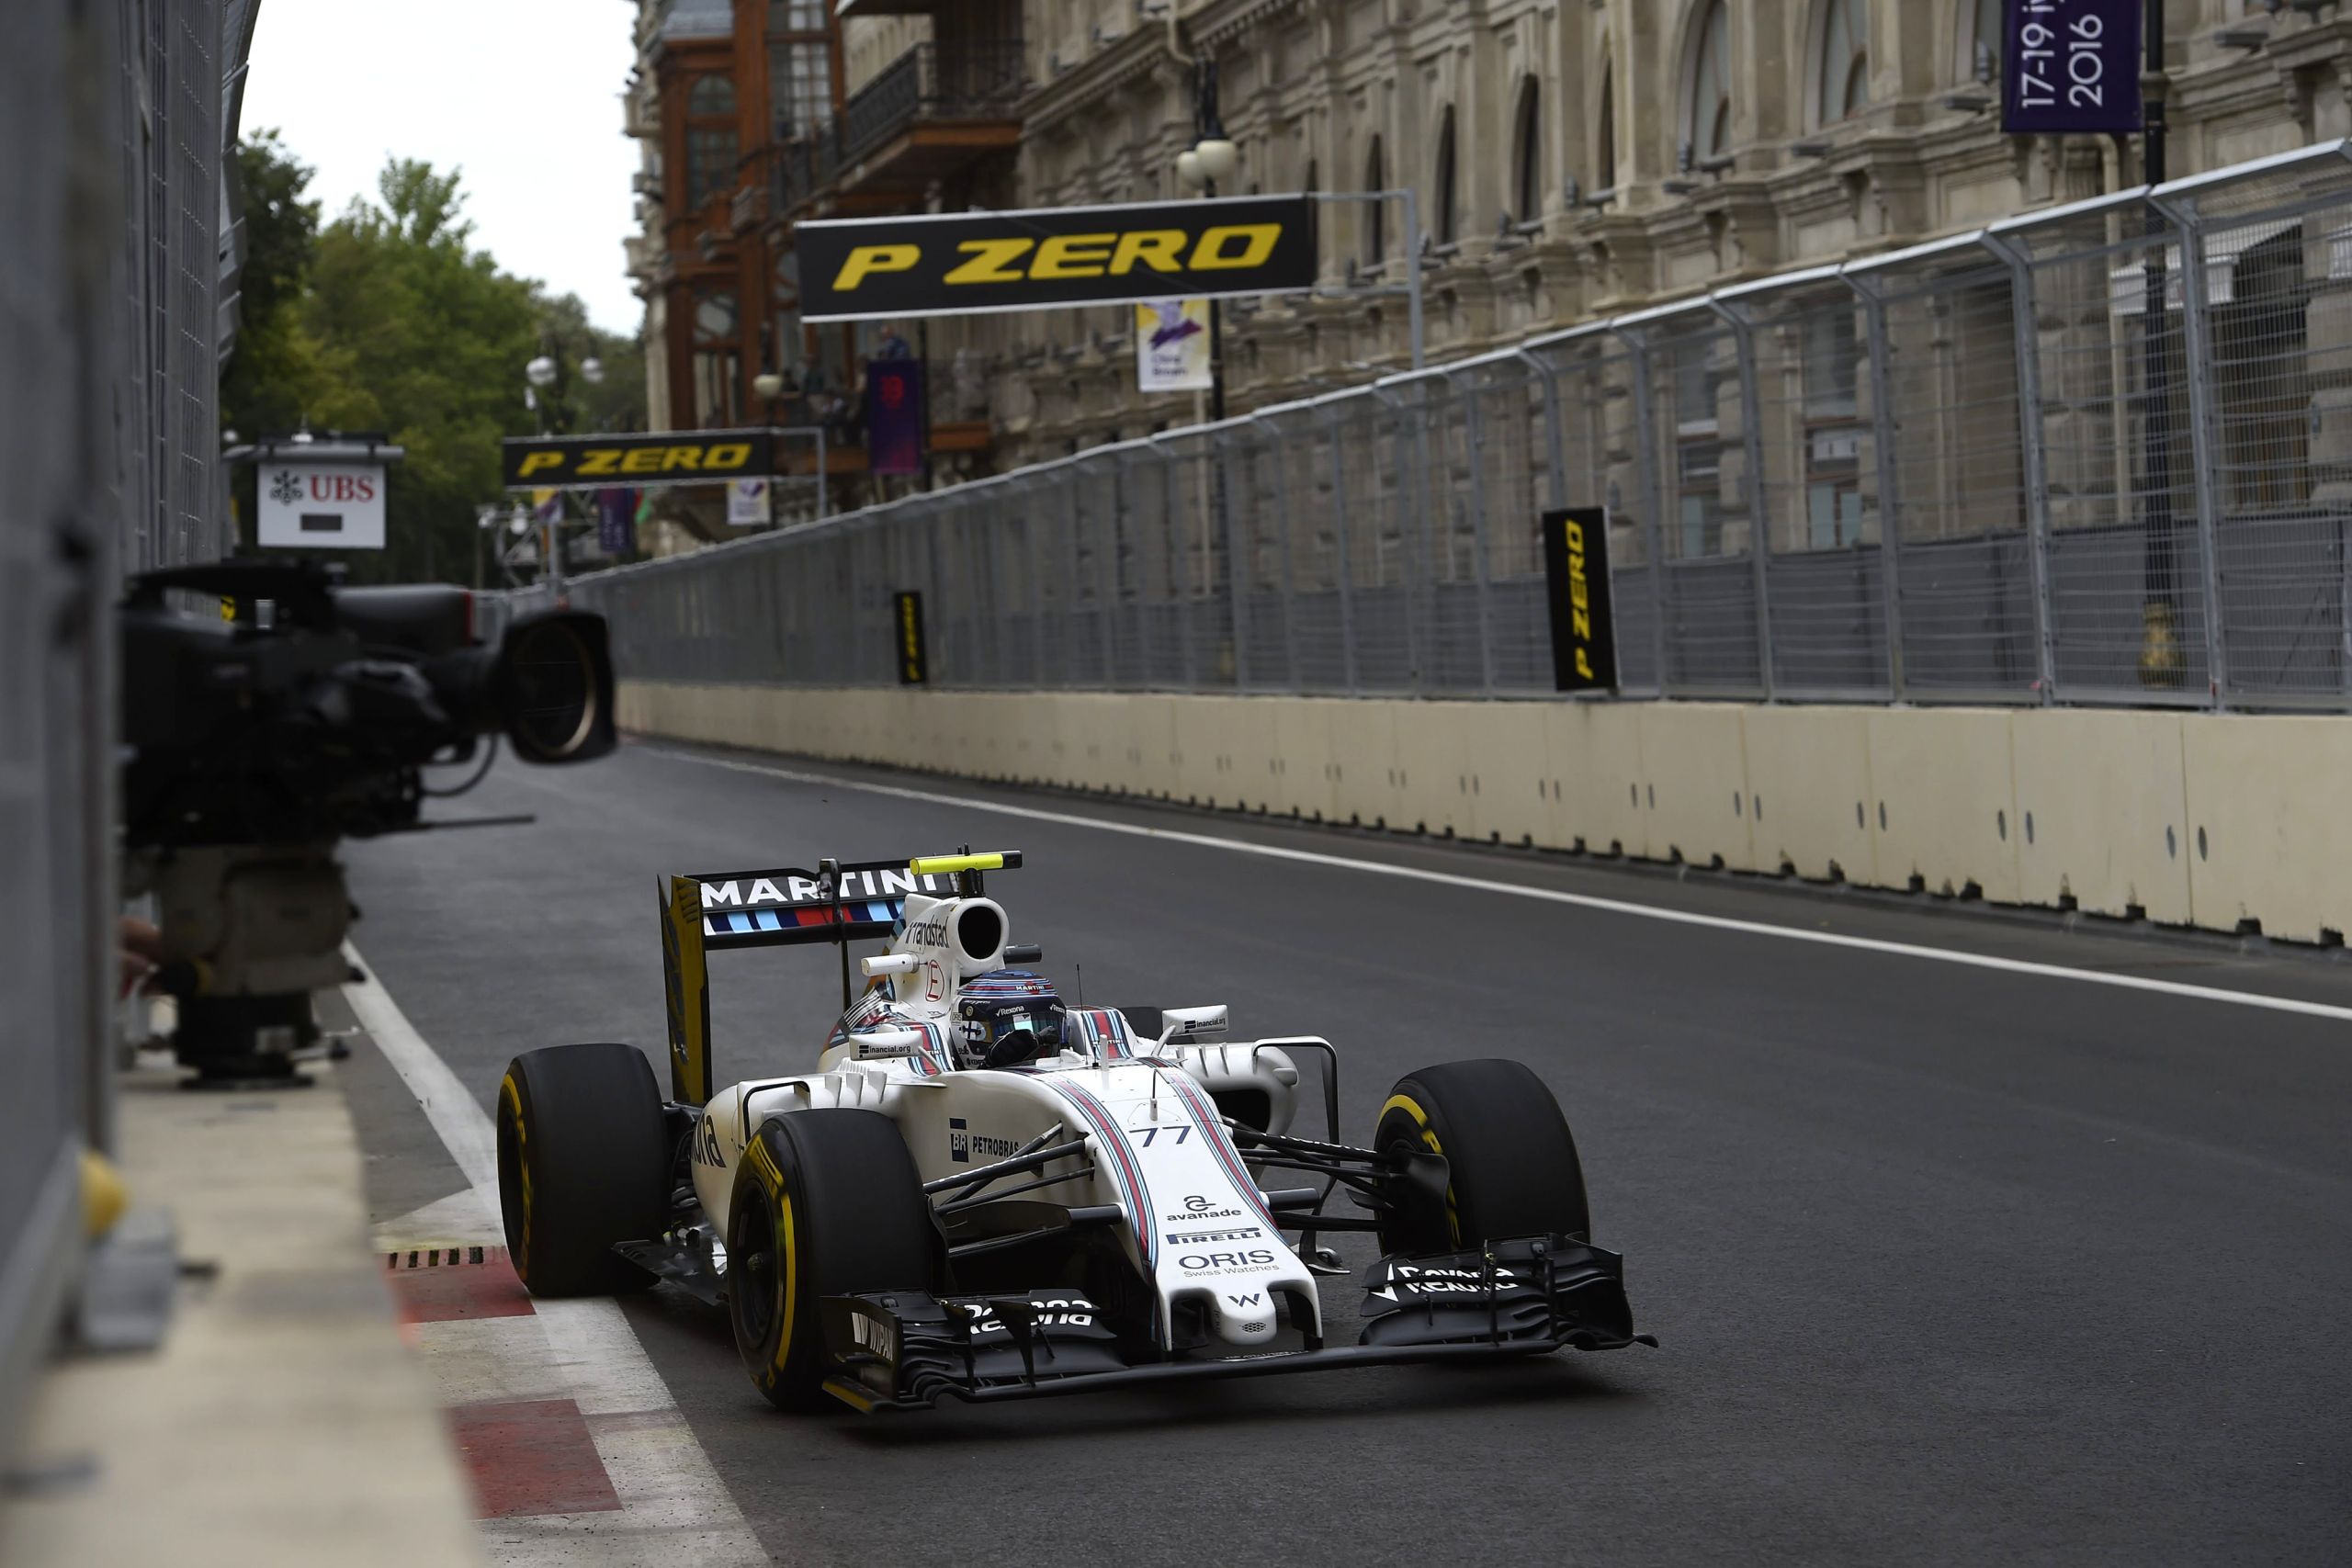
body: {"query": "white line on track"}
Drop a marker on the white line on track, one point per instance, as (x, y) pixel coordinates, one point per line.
(1547, 895)
(675, 1508)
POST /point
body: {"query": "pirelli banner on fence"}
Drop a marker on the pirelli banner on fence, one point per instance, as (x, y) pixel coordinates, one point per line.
(956, 264)
(1575, 569)
(676, 458)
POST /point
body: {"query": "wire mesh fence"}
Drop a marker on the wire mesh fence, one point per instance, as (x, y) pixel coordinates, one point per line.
(116, 282)
(2100, 454)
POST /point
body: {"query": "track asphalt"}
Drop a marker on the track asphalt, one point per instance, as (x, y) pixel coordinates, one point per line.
(1951, 1264)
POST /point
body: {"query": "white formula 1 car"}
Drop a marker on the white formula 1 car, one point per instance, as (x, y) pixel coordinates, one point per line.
(985, 1193)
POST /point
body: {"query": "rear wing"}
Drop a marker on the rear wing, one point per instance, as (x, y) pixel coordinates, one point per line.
(837, 902)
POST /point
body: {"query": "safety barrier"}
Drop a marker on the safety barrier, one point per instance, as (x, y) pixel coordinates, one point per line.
(2100, 455)
(2223, 821)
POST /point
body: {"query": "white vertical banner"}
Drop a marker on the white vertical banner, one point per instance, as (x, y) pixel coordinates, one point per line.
(1173, 346)
(747, 504)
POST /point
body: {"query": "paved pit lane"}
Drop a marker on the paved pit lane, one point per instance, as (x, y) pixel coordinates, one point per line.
(1951, 1263)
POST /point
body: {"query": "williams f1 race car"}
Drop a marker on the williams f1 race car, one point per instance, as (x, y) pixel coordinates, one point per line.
(984, 1192)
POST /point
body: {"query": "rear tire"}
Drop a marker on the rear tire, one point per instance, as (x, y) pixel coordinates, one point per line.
(827, 1203)
(584, 1162)
(1511, 1158)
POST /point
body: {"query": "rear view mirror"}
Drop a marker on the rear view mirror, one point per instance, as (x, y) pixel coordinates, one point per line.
(1187, 1026)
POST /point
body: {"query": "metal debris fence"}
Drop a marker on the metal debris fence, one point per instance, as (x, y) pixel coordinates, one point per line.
(2100, 454)
(116, 293)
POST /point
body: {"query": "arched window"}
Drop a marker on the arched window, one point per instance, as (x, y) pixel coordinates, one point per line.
(1605, 139)
(1375, 177)
(1605, 165)
(710, 139)
(1447, 191)
(1527, 187)
(712, 97)
(1706, 98)
(1980, 44)
(1842, 61)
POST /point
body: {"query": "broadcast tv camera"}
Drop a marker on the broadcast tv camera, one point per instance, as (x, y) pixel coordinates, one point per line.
(303, 714)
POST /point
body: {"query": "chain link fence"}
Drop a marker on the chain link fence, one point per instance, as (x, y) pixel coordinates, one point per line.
(2100, 454)
(116, 290)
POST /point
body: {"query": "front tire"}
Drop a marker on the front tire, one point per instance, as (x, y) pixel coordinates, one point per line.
(584, 1162)
(1512, 1161)
(827, 1203)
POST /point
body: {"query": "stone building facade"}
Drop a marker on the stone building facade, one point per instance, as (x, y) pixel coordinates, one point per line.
(1577, 158)
(1572, 159)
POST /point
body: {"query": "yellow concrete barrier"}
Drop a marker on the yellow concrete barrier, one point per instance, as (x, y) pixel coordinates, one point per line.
(1595, 751)
(2272, 834)
(1694, 784)
(2102, 811)
(2212, 819)
(1429, 789)
(1809, 796)
(1504, 771)
(1301, 731)
(1156, 765)
(1363, 760)
(1946, 807)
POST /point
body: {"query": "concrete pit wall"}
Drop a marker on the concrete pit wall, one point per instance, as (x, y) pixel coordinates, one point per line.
(2227, 822)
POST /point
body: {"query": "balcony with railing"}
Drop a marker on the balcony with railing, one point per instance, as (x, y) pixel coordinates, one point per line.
(922, 118)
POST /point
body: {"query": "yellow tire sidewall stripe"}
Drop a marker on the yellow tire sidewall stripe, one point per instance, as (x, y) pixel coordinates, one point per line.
(510, 1095)
(1410, 1107)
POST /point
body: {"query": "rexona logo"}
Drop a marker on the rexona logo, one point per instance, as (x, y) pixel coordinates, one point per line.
(949, 263)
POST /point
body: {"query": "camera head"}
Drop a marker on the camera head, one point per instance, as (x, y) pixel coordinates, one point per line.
(300, 713)
(308, 716)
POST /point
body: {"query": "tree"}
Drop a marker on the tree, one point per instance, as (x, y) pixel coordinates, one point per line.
(387, 319)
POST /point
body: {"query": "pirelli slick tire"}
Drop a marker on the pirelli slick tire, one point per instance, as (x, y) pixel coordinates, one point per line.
(827, 1203)
(1511, 1162)
(584, 1161)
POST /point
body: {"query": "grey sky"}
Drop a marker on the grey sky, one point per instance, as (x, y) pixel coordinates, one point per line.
(522, 94)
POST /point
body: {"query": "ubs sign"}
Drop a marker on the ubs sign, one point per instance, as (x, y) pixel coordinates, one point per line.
(313, 507)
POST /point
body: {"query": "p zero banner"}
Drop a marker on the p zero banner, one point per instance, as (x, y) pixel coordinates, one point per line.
(1575, 568)
(959, 263)
(914, 655)
(672, 458)
(2070, 67)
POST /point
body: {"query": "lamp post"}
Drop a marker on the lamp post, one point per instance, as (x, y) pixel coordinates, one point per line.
(541, 373)
(1211, 157)
(2162, 664)
(768, 386)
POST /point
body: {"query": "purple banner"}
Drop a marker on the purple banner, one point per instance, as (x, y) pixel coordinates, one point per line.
(2070, 67)
(894, 416)
(617, 521)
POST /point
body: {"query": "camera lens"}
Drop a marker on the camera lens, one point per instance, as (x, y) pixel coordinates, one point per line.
(553, 689)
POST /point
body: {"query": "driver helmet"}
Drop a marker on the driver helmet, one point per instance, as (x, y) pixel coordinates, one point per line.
(1007, 1016)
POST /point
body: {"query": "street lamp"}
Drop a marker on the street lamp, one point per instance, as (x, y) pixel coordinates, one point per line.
(540, 372)
(592, 370)
(1211, 158)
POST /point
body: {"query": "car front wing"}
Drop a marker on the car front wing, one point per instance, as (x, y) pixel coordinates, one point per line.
(1527, 1296)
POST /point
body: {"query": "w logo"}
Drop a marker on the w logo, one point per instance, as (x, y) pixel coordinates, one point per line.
(1252, 1299)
